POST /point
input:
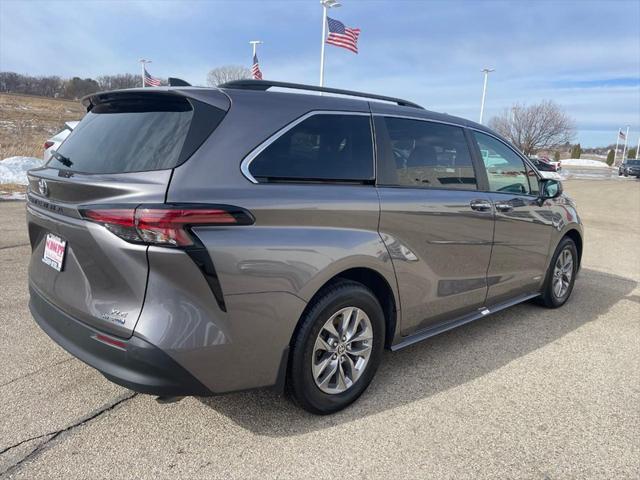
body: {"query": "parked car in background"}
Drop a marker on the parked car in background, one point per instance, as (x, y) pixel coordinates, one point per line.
(197, 241)
(546, 170)
(630, 168)
(621, 168)
(541, 165)
(54, 142)
(555, 164)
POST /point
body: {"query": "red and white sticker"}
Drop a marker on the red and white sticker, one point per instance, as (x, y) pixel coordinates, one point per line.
(54, 251)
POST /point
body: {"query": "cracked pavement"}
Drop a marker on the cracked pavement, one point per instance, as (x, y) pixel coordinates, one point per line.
(525, 393)
(38, 443)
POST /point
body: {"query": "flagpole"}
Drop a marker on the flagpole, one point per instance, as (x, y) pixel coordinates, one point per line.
(615, 152)
(255, 43)
(638, 149)
(324, 34)
(624, 151)
(326, 4)
(143, 62)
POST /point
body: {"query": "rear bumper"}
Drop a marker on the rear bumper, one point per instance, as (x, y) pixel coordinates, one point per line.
(135, 364)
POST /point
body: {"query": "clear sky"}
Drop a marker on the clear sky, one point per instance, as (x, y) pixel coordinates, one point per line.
(584, 54)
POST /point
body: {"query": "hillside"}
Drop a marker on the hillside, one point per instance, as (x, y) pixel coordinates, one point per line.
(27, 121)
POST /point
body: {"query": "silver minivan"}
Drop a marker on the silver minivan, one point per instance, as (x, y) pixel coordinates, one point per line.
(197, 241)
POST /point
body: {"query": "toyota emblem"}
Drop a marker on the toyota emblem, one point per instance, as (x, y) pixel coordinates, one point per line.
(43, 188)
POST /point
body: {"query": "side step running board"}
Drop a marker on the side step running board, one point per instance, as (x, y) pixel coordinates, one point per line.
(451, 324)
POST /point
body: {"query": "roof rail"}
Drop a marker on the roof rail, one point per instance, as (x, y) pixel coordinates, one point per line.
(267, 84)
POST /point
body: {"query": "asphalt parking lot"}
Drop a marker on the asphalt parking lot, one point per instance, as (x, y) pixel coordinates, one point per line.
(525, 393)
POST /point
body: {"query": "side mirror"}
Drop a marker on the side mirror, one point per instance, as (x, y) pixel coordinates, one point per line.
(550, 188)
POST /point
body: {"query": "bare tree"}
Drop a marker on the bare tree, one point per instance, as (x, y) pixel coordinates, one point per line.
(227, 73)
(122, 80)
(535, 127)
(17, 83)
(54, 86)
(77, 87)
(50, 86)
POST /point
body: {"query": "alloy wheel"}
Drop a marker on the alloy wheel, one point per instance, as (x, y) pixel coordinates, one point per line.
(562, 273)
(342, 350)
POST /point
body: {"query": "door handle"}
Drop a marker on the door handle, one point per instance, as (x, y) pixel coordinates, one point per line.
(503, 207)
(480, 205)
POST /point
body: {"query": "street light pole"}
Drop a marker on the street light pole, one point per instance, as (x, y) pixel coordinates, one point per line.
(484, 90)
(326, 4)
(143, 63)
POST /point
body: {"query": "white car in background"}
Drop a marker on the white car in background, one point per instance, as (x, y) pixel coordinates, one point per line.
(556, 164)
(54, 142)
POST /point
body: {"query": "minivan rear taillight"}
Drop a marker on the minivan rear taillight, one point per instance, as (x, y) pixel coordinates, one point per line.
(164, 225)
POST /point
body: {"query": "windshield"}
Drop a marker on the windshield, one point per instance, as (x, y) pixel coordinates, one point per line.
(634, 163)
(127, 136)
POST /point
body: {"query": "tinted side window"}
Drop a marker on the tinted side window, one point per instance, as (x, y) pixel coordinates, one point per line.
(428, 154)
(322, 147)
(505, 169)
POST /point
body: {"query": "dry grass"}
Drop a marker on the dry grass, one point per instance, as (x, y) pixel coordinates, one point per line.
(12, 187)
(26, 122)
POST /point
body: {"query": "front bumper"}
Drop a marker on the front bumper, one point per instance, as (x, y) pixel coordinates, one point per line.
(133, 363)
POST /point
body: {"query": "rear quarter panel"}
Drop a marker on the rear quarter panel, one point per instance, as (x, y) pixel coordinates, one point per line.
(302, 237)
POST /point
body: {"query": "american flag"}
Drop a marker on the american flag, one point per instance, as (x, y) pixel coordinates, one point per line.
(342, 36)
(621, 134)
(255, 69)
(150, 81)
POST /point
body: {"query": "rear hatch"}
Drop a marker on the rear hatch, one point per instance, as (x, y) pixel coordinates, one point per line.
(118, 158)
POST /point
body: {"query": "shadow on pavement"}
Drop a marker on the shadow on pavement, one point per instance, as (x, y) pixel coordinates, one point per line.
(439, 363)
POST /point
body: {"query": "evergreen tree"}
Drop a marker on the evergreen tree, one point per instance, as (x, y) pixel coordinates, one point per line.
(576, 151)
(631, 153)
(610, 156)
(556, 156)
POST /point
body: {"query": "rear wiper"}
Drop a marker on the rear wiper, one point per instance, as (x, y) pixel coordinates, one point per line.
(61, 158)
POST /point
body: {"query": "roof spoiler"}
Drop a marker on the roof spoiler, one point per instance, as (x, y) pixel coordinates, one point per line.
(93, 99)
(267, 84)
(178, 82)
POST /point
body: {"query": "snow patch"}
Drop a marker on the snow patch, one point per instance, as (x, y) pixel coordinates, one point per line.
(583, 162)
(14, 169)
(13, 196)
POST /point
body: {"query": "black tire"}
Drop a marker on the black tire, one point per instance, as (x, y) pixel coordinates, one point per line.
(300, 382)
(549, 298)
